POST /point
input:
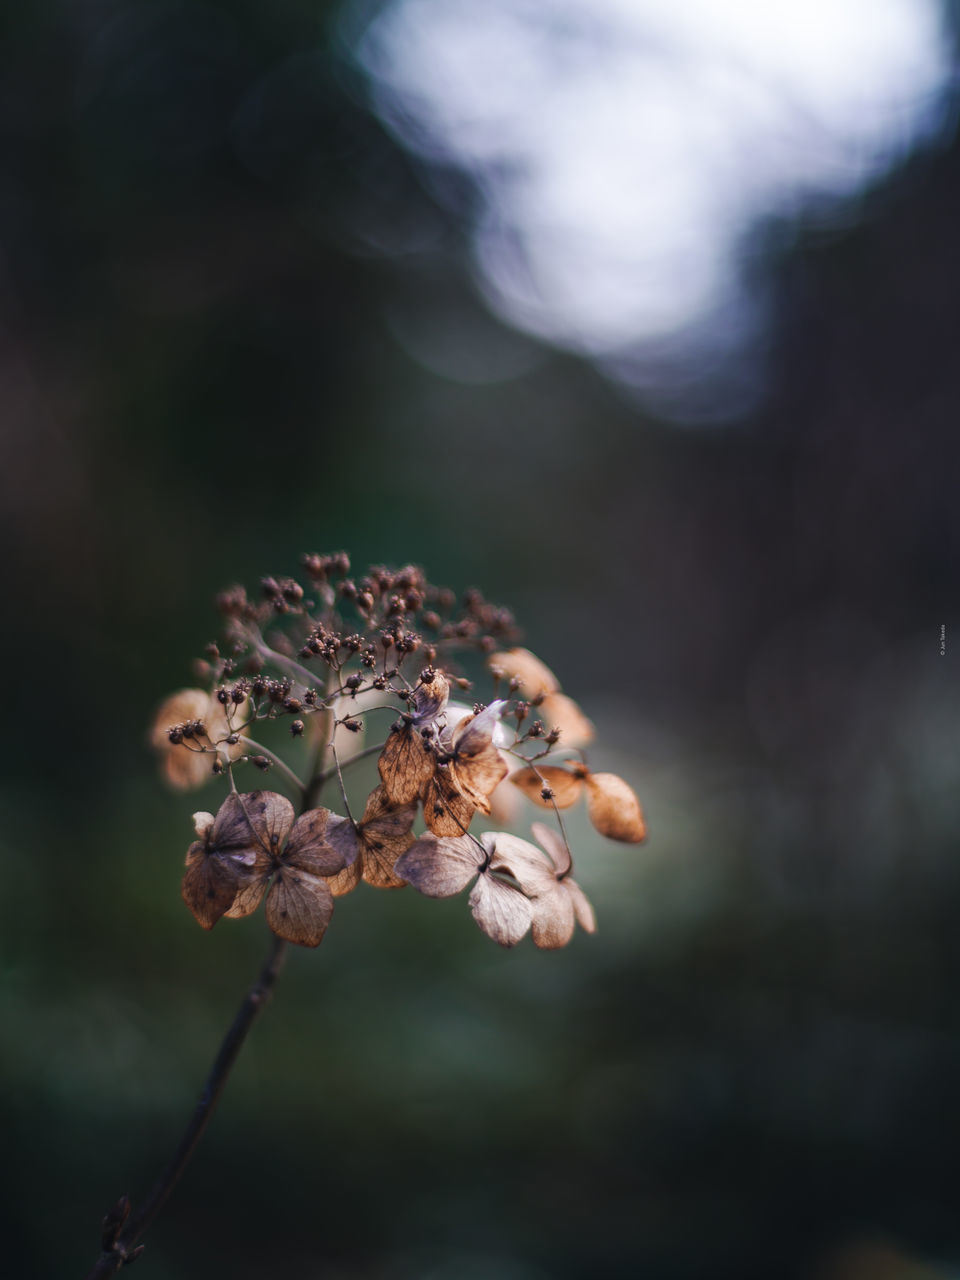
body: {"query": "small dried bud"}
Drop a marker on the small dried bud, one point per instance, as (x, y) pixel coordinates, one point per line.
(355, 726)
(260, 762)
(297, 728)
(292, 704)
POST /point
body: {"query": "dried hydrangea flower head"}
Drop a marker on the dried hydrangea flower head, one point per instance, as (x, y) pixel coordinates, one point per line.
(333, 660)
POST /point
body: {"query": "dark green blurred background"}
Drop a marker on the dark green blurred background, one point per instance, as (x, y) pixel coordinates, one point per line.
(751, 1070)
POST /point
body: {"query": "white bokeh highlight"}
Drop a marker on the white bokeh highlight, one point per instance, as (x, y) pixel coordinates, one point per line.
(625, 150)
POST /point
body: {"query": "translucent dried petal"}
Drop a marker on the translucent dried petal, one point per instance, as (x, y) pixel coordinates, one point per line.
(553, 918)
(474, 734)
(479, 776)
(342, 837)
(405, 765)
(210, 884)
(385, 833)
(346, 880)
(561, 712)
(501, 911)
(184, 705)
(299, 907)
(614, 808)
(446, 810)
(248, 897)
(307, 846)
(252, 825)
(527, 864)
(581, 906)
(566, 786)
(535, 678)
(555, 845)
(439, 868)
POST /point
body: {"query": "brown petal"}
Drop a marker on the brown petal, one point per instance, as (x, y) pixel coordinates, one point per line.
(446, 810)
(440, 868)
(250, 826)
(405, 765)
(249, 896)
(566, 786)
(430, 699)
(479, 776)
(210, 884)
(581, 905)
(534, 676)
(341, 835)
(553, 919)
(528, 865)
(555, 845)
(299, 907)
(614, 809)
(561, 712)
(307, 847)
(346, 880)
(501, 911)
(385, 834)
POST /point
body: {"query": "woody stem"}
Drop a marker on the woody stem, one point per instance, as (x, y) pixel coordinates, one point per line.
(112, 1258)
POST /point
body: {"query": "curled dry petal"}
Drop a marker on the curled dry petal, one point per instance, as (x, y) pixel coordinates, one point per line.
(565, 785)
(614, 808)
(202, 824)
(474, 734)
(429, 700)
(299, 906)
(406, 765)
(518, 858)
(581, 906)
(534, 678)
(561, 712)
(500, 909)
(439, 868)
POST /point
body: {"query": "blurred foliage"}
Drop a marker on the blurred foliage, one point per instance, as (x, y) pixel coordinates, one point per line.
(207, 247)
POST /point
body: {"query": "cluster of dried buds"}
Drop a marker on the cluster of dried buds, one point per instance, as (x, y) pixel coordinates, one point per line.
(330, 655)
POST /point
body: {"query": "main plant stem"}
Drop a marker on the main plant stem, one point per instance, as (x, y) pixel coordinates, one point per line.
(113, 1257)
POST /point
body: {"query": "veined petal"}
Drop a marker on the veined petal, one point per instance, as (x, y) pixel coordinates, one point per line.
(614, 808)
(439, 868)
(566, 786)
(553, 919)
(307, 847)
(555, 845)
(299, 907)
(501, 910)
(528, 865)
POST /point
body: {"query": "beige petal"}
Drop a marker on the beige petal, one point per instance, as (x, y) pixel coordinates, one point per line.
(439, 868)
(405, 765)
(535, 678)
(187, 767)
(561, 712)
(501, 910)
(505, 805)
(555, 845)
(307, 847)
(581, 906)
(566, 786)
(553, 919)
(527, 864)
(614, 808)
(299, 907)
(184, 705)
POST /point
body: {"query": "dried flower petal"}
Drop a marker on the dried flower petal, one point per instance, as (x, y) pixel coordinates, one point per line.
(555, 846)
(384, 835)
(251, 826)
(429, 700)
(184, 765)
(347, 880)
(533, 676)
(581, 906)
(561, 712)
(446, 810)
(307, 848)
(614, 808)
(210, 884)
(553, 918)
(405, 764)
(299, 907)
(439, 868)
(566, 786)
(528, 865)
(500, 909)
